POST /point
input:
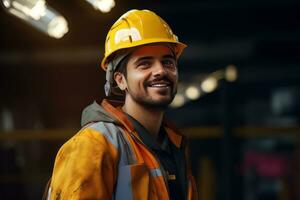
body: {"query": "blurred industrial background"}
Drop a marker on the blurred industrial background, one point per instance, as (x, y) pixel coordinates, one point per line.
(238, 101)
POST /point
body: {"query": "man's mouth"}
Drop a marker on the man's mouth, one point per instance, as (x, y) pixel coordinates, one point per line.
(161, 84)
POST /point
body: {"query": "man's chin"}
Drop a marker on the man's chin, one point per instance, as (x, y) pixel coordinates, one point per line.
(161, 104)
(154, 101)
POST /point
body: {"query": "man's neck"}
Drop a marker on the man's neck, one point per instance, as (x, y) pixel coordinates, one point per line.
(150, 118)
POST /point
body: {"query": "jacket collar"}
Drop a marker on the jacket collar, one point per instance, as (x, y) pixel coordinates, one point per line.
(114, 108)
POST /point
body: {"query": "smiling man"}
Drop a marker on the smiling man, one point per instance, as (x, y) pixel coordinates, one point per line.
(126, 150)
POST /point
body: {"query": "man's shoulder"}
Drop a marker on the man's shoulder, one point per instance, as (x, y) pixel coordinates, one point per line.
(94, 136)
(99, 132)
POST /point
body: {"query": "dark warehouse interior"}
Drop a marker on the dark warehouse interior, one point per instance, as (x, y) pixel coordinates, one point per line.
(244, 135)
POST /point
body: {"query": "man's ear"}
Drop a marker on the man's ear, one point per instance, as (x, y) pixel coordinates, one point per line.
(120, 80)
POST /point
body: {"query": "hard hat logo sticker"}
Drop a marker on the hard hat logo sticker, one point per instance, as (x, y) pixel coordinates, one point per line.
(124, 35)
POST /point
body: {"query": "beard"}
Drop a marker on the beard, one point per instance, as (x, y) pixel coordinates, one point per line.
(149, 102)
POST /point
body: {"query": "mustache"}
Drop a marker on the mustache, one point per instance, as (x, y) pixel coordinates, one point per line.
(163, 79)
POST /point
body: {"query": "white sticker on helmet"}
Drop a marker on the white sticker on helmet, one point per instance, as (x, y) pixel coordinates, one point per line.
(124, 35)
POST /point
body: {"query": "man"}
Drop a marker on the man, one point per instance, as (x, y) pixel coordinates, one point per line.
(126, 150)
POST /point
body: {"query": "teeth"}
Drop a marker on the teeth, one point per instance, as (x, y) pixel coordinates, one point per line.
(159, 85)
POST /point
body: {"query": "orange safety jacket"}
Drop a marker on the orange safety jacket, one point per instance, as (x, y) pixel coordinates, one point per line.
(106, 159)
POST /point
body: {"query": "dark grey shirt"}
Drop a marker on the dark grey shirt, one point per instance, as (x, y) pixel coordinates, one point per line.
(165, 152)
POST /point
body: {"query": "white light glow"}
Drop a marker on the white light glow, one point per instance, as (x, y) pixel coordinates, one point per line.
(39, 15)
(231, 73)
(6, 3)
(178, 101)
(38, 10)
(32, 8)
(58, 27)
(209, 84)
(192, 92)
(103, 5)
(17, 14)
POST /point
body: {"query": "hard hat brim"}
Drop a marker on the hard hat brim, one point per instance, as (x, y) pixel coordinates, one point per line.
(179, 47)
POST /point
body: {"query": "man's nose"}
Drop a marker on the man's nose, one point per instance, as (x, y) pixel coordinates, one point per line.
(158, 69)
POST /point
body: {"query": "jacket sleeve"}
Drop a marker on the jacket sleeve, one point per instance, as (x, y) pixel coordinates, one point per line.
(85, 168)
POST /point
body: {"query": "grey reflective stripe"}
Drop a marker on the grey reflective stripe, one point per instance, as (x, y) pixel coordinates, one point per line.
(155, 172)
(127, 155)
(108, 130)
(123, 189)
(116, 136)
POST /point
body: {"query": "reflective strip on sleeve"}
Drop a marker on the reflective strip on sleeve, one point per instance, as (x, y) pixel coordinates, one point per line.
(155, 172)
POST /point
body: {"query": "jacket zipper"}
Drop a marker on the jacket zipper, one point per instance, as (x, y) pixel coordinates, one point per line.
(157, 160)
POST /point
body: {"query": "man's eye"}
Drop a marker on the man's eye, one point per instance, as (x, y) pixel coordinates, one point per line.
(169, 63)
(144, 64)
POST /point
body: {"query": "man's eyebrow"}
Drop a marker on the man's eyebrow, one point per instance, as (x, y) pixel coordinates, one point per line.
(143, 58)
(169, 56)
(151, 57)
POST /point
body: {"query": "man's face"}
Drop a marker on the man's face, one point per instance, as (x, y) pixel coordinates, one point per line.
(152, 76)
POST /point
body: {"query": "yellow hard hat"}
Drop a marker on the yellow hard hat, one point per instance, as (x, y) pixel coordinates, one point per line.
(136, 28)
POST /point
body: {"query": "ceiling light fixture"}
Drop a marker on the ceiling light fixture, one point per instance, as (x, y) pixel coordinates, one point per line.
(39, 15)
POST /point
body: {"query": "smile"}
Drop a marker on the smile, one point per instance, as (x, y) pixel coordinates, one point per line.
(159, 85)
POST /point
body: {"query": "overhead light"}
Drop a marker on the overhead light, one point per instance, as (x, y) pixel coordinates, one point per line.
(193, 92)
(231, 73)
(209, 84)
(57, 27)
(39, 15)
(31, 8)
(178, 100)
(103, 5)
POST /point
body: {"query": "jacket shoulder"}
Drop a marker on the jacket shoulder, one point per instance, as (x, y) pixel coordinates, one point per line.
(81, 164)
(100, 135)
